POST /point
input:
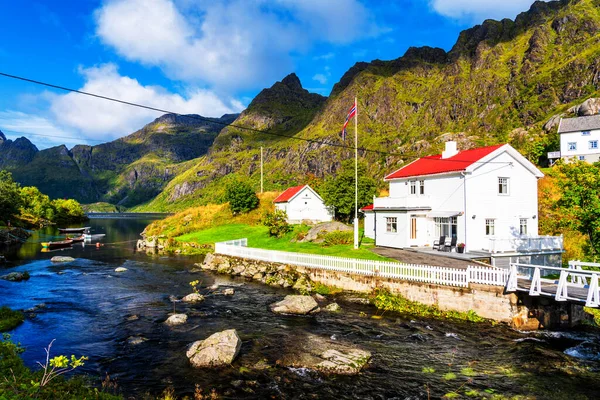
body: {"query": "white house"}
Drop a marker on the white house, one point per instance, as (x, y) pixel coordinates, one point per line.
(302, 203)
(486, 198)
(580, 138)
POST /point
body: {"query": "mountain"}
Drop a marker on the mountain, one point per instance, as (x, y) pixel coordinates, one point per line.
(127, 171)
(503, 81)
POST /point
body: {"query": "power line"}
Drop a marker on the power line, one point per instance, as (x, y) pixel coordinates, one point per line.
(211, 120)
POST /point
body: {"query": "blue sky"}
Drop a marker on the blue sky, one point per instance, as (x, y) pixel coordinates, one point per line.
(197, 56)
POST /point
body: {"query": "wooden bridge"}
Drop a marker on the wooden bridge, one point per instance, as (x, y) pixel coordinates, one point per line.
(573, 284)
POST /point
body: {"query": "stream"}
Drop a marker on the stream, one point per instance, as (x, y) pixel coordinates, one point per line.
(116, 319)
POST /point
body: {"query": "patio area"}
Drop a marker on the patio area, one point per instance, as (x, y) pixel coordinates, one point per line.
(429, 256)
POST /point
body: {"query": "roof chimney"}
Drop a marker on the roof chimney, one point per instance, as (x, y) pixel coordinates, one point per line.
(450, 150)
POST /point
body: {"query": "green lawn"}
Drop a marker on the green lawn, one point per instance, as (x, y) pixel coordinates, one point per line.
(258, 237)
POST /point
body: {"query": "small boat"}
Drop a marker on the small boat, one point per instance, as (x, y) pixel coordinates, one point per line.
(77, 239)
(57, 245)
(74, 230)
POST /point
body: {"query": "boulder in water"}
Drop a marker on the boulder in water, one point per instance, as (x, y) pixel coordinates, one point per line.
(120, 269)
(296, 304)
(59, 259)
(217, 350)
(193, 298)
(176, 319)
(344, 363)
(229, 292)
(333, 307)
(16, 276)
(135, 340)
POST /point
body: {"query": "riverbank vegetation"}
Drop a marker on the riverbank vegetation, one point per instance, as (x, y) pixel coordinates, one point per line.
(10, 319)
(30, 208)
(387, 301)
(569, 205)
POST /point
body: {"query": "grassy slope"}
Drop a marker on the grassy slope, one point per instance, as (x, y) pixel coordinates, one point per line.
(258, 237)
(483, 95)
(10, 319)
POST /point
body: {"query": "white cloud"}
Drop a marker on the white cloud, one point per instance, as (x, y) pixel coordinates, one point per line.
(105, 120)
(326, 56)
(479, 10)
(230, 44)
(39, 130)
(322, 79)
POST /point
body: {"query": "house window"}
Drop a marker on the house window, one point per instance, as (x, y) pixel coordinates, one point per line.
(581, 158)
(446, 226)
(413, 227)
(503, 186)
(523, 226)
(489, 227)
(421, 187)
(413, 187)
(572, 146)
(593, 144)
(585, 133)
(391, 224)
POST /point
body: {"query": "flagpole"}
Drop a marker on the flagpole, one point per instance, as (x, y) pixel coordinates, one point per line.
(356, 175)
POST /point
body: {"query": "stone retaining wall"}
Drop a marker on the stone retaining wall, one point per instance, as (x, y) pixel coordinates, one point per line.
(520, 311)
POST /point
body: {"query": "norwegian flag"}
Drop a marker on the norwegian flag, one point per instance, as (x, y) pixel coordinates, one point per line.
(351, 114)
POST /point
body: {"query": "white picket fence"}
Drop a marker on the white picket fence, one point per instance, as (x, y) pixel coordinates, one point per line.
(385, 269)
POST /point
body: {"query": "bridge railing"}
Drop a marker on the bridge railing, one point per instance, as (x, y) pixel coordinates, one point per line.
(386, 269)
(573, 283)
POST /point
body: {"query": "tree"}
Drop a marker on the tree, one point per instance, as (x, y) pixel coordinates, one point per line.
(338, 191)
(277, 223)
(579, 202)
(241, 197)
(67, 211)
(36, 205)
(10, 196)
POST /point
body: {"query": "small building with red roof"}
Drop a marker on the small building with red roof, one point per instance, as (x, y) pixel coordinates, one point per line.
(302, 203)
(485, 198)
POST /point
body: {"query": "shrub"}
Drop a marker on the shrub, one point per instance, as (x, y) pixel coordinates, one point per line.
(338, 237)
(277, 223)
(10, 319)
(241, 197)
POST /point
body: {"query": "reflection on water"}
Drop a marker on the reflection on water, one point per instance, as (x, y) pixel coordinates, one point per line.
(92, 310)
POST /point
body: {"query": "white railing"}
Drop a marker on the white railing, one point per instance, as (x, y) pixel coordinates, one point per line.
(525, 244)
(384, 269)
(573, 283)
(487, 275)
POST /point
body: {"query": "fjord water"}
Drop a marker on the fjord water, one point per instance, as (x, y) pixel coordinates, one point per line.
(93, 311)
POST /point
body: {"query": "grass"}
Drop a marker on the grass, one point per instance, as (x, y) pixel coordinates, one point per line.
(10, 319)
(258, 237)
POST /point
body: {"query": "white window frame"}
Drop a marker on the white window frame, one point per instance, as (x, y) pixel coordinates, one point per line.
(586, 133)
(581, 158)
(490, 227)
(523, 226)
(503, 185)
(422, 187)
(413, 187)
(572, 146)
(391, 224)
(593, 145)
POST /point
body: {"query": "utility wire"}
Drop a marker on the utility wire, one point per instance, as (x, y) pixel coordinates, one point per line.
(211, 120)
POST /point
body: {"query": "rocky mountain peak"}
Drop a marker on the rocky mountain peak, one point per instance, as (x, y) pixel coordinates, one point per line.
(292, 81)
(2, 138)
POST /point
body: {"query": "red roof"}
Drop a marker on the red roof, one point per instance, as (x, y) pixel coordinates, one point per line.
(366, 208)
(431, 165)
(288, 194)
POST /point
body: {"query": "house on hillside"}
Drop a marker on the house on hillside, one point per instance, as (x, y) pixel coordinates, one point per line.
(580, 138)
(485, 198)
(302, 203)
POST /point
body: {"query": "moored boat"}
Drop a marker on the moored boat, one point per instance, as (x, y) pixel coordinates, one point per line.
(58, 244)
(74, 230)
(77, 239)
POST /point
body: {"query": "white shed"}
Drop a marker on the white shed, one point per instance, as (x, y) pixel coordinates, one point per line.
(302, 203)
